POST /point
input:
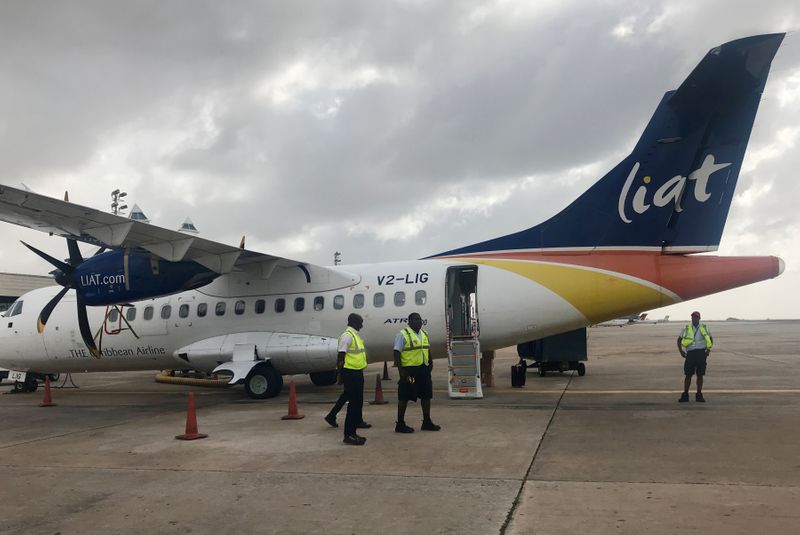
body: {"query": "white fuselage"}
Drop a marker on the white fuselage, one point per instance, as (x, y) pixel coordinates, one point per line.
(510, 309)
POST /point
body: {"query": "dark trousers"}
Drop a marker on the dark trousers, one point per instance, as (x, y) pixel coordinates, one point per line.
(354, 393)
(338, 405)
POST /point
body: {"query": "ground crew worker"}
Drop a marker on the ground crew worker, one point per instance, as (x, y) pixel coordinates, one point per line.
(694, 344)
(350, 363)
(412, 358)
(331, 416)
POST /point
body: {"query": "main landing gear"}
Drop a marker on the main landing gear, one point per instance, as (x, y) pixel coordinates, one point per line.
(30, 384)
(323, 378)
(263, 382)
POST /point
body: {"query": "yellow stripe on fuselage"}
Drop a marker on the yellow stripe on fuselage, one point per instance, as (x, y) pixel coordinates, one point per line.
(598, 295)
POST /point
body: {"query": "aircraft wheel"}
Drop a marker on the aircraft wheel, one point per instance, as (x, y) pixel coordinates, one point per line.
(54, 377)
(323, 378)
(542, 371)
(31, 384)
(19, 386)
(581, 369)
(263, 382)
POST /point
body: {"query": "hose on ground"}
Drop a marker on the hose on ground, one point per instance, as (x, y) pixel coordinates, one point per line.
(165, 376)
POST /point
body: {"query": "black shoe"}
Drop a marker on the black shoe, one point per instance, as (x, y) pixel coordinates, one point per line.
(684, 397)
(401, 427)
(364, 425)
(354, 440)
(428, 425)
(359, 437)
(699, 397)
(331, 420)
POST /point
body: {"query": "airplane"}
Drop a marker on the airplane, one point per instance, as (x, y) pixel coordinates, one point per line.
(622, 322)
(153, 298)
(645, 321)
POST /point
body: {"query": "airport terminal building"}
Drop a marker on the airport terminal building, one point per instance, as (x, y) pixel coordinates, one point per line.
(13, 285)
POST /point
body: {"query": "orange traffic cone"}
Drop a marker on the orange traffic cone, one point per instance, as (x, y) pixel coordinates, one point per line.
(48, 397)
(191, 423)
(378, 393)
(385, 371)
(293, 414)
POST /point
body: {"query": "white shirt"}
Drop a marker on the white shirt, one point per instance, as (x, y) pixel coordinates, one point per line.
(344, 342)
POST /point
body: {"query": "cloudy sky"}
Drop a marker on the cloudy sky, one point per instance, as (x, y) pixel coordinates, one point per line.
(384, 130)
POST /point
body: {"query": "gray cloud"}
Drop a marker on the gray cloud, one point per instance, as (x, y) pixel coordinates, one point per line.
(314, 126)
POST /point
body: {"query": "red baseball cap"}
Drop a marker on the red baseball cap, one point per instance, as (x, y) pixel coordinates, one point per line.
(696, 313)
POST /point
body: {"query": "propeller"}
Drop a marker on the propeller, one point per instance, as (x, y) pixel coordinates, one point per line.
(63, 276)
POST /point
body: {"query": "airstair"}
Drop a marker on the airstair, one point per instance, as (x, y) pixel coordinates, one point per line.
(463, 345)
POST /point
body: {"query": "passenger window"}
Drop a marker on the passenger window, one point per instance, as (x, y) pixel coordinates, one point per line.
(113, 316)
(238, 308)
(183, 311)
(338, 302)
(261, 306)
(130, 315)
(378, 300)
(358, 301)
(148, 312)
(299, 304)
(166, 312)
(202, 310)
(280, 305)
(399, 299)
(420, 297)
(319, 303)
(219, 309)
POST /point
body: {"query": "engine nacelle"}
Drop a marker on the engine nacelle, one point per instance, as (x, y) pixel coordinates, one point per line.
(287, 353)
(118, 277)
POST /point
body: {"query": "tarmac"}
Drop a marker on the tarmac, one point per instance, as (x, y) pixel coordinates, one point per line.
(610, 452)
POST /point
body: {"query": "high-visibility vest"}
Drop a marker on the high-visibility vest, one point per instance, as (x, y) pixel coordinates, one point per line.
(687, 338)
(415, 350)
(356, 356)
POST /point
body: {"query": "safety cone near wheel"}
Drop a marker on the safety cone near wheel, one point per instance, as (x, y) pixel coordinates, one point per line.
(48, 397)
(191, 422)
(378, 393)
(293, 414)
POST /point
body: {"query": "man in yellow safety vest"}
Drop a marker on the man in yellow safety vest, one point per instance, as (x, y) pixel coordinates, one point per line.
(350, 363)
(412, 358)
(694, 344)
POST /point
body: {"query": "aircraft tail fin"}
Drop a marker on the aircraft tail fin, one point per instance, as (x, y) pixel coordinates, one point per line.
(673, 192)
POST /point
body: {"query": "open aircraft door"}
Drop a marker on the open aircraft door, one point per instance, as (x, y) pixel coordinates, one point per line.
(463, 331)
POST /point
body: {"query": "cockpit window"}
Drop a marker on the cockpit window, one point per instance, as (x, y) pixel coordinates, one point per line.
(15, 310)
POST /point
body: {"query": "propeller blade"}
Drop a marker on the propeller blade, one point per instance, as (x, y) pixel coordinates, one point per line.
(75, 258)
(44, 315)
(57, 263)
(86, 331)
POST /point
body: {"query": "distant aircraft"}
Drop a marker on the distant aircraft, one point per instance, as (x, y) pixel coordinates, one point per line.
(646, 321)
(157, 298)
(622, 322)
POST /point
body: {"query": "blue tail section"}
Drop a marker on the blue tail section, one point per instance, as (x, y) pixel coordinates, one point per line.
(674, 190)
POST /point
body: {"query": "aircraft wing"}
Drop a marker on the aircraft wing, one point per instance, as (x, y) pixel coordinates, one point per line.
(89, 225)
